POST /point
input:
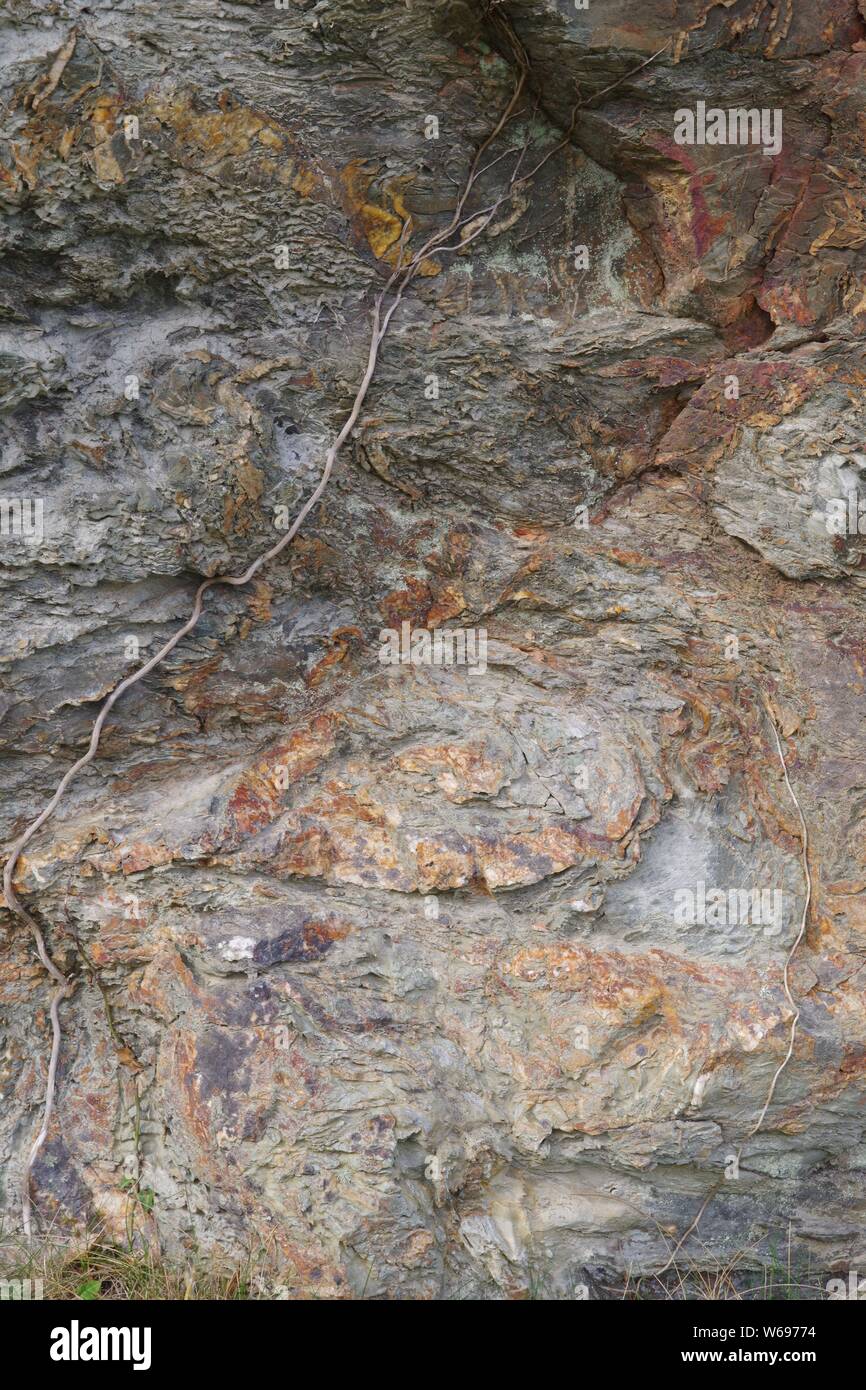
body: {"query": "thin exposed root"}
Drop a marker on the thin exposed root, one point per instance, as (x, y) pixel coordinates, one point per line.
(786, 984)
(807, 901)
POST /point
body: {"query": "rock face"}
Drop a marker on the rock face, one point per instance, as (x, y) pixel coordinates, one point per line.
(399, 970)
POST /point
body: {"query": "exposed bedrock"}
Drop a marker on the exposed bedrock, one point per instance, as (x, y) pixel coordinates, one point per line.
(438, 978)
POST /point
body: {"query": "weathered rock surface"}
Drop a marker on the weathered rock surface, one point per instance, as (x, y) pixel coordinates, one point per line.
(389, 957)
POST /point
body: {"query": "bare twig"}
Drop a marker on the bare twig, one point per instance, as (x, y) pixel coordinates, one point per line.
(631, 73)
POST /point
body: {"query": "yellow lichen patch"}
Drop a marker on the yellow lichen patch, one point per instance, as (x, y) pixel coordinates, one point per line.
(269, 137)
(232, 132)
(104, 116)
(382, 227)
(220, 134)
(304, 182)
(395, 192)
